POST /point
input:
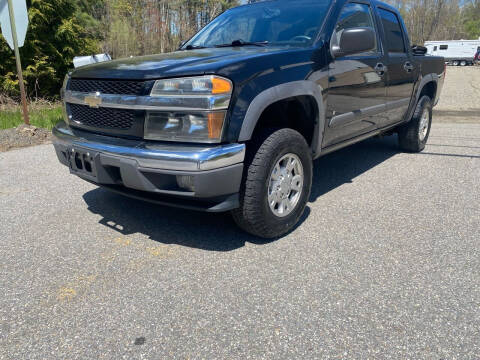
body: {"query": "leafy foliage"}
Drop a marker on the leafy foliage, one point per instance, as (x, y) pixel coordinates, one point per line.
(440, 19)
(472, 19)
(56, 34)
(138, 27)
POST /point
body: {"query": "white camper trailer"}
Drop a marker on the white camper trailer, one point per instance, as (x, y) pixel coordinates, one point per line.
(455, 52)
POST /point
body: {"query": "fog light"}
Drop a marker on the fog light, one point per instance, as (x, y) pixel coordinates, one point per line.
(186, 182)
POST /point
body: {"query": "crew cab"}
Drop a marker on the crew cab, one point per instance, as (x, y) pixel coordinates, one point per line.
(233, 120)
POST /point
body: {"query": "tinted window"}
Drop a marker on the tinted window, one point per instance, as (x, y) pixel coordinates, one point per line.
(393, 32)
(435, 48)
(443, 47)
(279, 22)
(353, 16)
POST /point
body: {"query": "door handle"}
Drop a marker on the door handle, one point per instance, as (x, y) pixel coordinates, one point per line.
(408, 67)
(380, 69)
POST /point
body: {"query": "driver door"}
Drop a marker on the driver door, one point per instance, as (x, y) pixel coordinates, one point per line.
(357, 91)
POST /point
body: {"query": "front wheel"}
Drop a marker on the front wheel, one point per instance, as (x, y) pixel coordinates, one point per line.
(413, 136)
(276, 186)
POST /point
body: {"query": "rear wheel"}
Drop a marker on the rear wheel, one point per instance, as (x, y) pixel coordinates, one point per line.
(413, 136)
(276, 186)
(455, 62)
(463, 63)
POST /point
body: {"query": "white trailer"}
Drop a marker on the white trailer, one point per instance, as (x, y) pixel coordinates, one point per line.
(455, 52)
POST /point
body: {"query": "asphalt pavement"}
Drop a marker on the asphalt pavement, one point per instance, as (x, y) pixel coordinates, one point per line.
(385, 264)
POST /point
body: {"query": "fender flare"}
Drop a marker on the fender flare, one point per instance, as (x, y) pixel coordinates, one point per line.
(282, 92)
(425, 80)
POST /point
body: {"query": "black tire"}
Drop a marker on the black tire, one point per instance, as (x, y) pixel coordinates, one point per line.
(254, 215)
(409, 137)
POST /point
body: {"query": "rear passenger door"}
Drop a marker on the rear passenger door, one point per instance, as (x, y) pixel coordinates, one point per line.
(357, 87)
(401, 71)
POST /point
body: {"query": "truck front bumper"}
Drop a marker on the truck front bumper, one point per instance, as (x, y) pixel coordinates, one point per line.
(199, 177)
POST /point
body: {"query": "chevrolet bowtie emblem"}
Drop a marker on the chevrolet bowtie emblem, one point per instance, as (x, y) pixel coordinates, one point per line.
(93, 100)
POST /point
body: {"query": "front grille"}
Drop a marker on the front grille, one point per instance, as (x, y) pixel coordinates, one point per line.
(102, 118)
(120, 87)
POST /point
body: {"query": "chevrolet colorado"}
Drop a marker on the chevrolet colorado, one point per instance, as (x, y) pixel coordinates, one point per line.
(233, 120)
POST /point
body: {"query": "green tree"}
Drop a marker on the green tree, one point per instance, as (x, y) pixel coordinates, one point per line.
(139, 27)
(472, 19)
(55, 36)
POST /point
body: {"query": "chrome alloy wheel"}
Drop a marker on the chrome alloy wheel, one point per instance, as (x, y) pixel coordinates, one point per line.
(424, 123)
(285, 186)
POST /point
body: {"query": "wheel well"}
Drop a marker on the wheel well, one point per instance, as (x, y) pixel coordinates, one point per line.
(430, 89)
(299, 113)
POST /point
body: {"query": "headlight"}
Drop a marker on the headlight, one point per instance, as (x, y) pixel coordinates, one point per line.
(208, 98)
(199, 85)
(188, 127)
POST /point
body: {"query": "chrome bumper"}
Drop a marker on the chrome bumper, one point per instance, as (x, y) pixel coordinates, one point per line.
(174, 157)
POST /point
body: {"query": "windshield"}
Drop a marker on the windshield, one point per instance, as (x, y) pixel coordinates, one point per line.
(281, 22)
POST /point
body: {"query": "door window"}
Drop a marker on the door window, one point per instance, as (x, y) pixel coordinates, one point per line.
(354, 15)
(393, 32)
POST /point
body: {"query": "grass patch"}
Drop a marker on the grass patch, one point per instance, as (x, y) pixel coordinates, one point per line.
(42, 115)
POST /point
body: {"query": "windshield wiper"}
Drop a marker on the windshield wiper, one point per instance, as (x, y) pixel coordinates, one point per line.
(240, 42)
(194, 47)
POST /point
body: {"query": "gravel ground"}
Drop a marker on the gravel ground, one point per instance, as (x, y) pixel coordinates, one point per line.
(385, 265)
(460, 100)
(23, 136)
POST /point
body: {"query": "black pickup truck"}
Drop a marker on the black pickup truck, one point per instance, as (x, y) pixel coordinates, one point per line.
(233, 120)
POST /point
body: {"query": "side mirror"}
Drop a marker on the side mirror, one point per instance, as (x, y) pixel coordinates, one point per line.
(355, 41)
(419, 50)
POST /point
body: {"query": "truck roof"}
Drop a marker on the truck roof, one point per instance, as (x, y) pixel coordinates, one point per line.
(385, 5)
(378, 3)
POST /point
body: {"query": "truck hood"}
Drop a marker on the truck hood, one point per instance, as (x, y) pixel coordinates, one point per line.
(179, 63)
